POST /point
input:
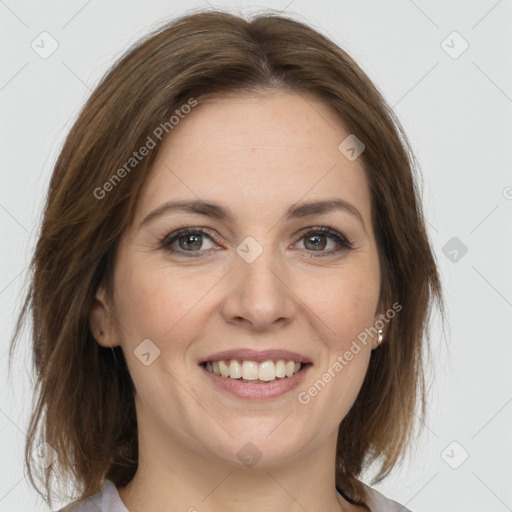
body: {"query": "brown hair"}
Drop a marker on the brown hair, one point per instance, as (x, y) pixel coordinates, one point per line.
(85, 408)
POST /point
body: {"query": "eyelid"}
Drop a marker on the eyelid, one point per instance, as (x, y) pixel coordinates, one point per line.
(344, 243)
(179, 232)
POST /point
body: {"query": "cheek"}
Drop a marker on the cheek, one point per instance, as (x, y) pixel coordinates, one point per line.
(348, 311)
(352, 305)
(348, 304)
(151, 301)
(149, 307)
(167, 308)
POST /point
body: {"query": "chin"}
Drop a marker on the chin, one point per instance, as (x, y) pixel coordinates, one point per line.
(258, 442)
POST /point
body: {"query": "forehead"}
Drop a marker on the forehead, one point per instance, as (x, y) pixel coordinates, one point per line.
(257, 154)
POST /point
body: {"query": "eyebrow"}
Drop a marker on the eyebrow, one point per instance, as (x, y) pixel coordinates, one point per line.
(216, 211)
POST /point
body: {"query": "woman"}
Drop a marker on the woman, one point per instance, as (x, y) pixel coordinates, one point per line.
(232, 283)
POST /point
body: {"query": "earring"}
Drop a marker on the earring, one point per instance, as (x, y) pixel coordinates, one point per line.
(379, 340)
(100, 333)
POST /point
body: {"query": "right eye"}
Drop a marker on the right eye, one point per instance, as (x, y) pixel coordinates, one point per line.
(190, 240)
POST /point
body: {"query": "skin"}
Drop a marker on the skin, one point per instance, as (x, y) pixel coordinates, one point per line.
(256, 156)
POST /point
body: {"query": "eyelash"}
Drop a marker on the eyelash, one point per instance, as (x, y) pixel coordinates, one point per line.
(168, 240)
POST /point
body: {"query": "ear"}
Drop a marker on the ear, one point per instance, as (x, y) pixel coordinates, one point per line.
(102, 323)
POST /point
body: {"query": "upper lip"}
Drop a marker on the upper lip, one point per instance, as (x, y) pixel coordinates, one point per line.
(247, 354)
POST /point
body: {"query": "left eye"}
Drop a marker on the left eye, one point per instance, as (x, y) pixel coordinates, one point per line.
(316, 241)
(316, 238)
(192, 240)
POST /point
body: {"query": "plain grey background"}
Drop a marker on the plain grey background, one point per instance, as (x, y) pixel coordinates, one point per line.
(445, 68)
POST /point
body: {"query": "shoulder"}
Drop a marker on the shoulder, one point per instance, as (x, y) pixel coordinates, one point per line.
(379, 503)
(102, 501)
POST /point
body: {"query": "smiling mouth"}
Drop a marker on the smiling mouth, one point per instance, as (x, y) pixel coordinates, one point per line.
(254, 372)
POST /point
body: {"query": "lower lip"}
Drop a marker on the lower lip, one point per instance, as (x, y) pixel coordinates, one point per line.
(265, 390)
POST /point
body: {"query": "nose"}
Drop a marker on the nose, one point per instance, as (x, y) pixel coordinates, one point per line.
(259, 295)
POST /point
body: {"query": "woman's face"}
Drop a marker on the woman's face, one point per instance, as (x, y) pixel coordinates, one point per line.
(260, 280)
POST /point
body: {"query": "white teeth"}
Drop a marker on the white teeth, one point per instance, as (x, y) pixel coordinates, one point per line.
(224, 369)
(280, 369)
(235, 369)
(289, 368)
(266, 371)
(250, 370)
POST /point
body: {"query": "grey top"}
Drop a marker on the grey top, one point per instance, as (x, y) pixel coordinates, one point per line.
(107, 500)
